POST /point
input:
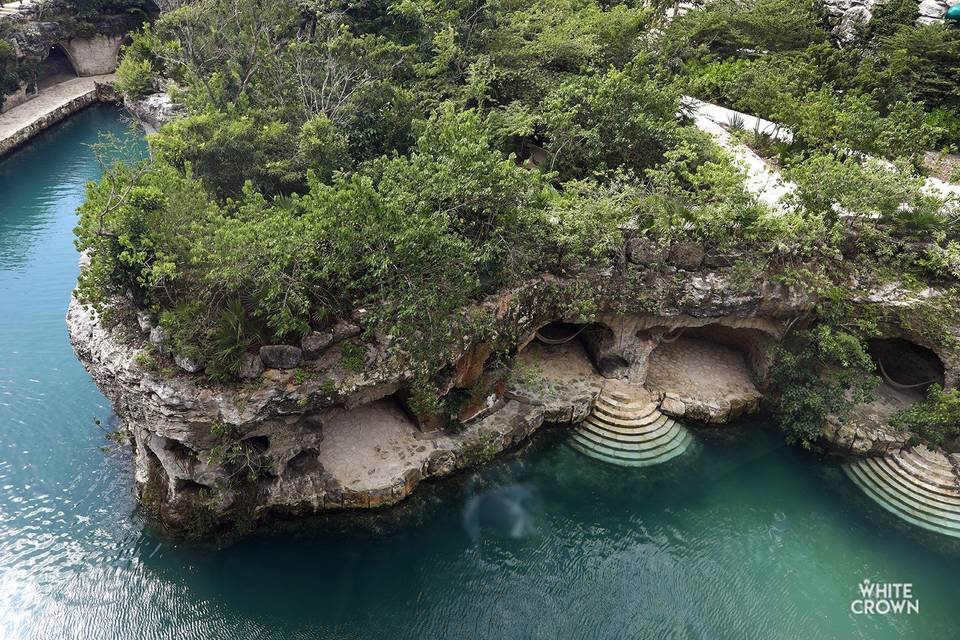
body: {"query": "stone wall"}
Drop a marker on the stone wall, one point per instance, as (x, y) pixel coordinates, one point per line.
(17, 98)
(94, 56)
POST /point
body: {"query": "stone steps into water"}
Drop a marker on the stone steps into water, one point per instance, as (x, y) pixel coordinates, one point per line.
(626, 428)
(627, 417)
(652, 441)
(916, 484)
(882, 465)
(642, 426)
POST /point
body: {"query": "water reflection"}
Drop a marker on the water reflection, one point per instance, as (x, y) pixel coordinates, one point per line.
(503, 512)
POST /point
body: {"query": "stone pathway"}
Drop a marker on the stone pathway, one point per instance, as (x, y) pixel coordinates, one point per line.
(52, 105)
(11, 8)
(764, 181)
(761, 180)
(699, 368)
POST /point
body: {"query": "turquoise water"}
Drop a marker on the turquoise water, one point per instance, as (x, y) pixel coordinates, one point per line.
(740, 538)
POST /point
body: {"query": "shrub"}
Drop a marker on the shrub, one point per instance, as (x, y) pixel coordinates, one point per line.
(826, 373)
(936, 420)
(135, 77)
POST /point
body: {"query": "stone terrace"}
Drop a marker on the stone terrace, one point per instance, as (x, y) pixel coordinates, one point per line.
(702, 380)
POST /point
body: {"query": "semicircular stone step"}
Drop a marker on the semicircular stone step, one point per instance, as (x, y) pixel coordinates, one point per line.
(626, 416)
(880, 465)
(663, 425)
(629, 459)
(899, 508)
(939, 492)
(909, 500)
(626, 428)
(654, 424)
(658, 442)
(932, 475)
(913, 486)
(615, 408)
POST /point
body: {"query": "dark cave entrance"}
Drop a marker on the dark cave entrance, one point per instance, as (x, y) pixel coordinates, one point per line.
(906, 366)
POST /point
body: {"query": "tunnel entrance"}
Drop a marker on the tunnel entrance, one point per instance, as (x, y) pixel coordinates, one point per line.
(56, 68)
(595, 341)
(905, 366)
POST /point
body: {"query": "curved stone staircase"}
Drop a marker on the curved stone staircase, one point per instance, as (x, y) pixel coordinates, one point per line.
(916, 484)
(626, 428)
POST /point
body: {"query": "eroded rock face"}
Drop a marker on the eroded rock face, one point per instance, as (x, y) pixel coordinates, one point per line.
(293, 442)
(183, 431)
(154, 110)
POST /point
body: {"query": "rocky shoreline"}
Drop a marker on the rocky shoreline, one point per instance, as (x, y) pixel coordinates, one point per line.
(312, 433)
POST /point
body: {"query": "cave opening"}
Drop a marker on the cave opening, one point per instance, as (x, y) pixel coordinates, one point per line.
(711, 363)
(906, 366)
(56, 68)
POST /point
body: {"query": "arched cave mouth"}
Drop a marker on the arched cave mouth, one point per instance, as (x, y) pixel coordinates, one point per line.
(709, 362)
(56, 68)
(906, 366)
(580, 341)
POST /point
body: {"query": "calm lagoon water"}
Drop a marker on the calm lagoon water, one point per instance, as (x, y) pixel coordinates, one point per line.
(741, 538)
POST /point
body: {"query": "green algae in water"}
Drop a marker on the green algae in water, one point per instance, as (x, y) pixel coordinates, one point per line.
(739, 538)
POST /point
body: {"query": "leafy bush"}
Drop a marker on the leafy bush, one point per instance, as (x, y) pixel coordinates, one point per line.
(413, 157)
(135, 77)
(727, 27)
(621, 119)
(826, 374)
(936, 420)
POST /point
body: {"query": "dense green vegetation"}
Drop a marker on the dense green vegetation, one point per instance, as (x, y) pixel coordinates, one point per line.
(936, 421)
(409, 157)
(895, 93)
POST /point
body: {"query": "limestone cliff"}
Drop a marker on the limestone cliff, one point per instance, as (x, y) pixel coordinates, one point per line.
(310, 430)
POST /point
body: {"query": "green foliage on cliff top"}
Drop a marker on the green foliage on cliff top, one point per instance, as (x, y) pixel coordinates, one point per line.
(412, 157)
(777, 59)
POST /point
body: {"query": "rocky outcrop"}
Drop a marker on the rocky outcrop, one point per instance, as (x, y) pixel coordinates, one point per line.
(191, 439)
(316, 426)
(848, 17)
(932, 11)
(154, 110)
